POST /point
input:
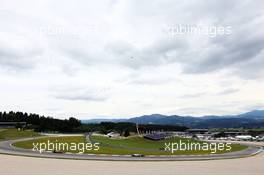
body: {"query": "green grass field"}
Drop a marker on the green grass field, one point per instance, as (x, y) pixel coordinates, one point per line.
(130, 145)
(9, 134)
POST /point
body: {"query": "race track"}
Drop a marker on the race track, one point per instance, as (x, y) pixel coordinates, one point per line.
(7, 148)
(18, 165)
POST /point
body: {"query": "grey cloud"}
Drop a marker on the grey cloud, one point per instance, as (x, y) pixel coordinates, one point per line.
(19, 45)
(81, 93)
(223, 108)
(193, 95)
(153, 55)
(236, 51)
(84, 97)
(253, 69)
(233, 52)
(239, 51)
(228, 91)
(227, 58)
(201, 94)
(151, 81)
(220, 53)
(255, 106)
(10, 59)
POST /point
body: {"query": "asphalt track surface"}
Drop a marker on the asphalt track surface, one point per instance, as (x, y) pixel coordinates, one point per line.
(19, 165)
(7, 148)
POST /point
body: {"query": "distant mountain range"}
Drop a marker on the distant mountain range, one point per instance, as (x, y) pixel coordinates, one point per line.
(252, 119)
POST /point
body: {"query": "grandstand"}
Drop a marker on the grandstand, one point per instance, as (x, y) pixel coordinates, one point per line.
(11, 124)
(158, 136)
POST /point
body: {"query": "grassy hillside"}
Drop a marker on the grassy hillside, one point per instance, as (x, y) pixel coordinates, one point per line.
(9, 134)
(131, 145)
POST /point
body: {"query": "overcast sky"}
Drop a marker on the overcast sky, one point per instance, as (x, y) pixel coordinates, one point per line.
(124, 58)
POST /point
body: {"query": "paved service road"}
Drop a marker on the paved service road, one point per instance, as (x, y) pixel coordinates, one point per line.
(6, 148)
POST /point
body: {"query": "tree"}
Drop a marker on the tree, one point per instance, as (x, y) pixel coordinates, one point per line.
(18, 125)
(126, 134)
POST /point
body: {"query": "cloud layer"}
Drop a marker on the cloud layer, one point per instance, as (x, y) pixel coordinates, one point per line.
(127, 58)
